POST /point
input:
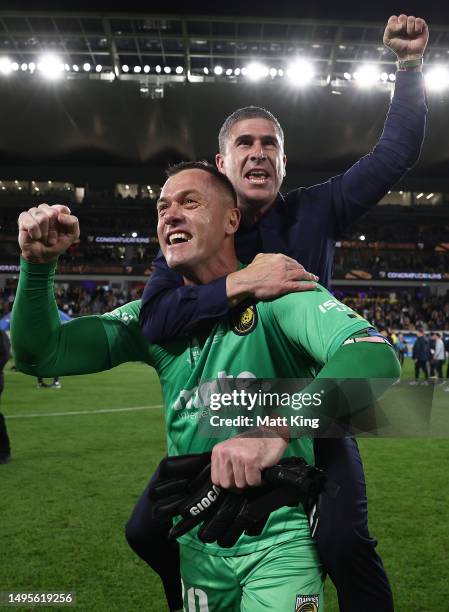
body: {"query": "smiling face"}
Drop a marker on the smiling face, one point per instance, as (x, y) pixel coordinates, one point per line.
(254, 162)
(197, 219)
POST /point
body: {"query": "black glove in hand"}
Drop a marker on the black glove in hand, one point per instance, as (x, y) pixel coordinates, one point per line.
(184, 487)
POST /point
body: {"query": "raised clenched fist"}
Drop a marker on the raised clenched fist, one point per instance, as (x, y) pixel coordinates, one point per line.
(406, 36)
(46, 231)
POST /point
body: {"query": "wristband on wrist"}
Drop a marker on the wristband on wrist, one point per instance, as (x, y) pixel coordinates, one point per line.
(409, 64)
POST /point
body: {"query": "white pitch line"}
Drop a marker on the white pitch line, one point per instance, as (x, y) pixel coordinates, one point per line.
(100, 411)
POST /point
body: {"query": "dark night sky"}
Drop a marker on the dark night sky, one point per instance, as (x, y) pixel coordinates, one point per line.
(436, 11)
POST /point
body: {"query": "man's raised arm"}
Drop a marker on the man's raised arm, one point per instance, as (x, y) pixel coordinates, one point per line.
(353, 193)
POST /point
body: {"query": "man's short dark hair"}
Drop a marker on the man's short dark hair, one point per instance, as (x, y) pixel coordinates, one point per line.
(248, 112)
(207, 167)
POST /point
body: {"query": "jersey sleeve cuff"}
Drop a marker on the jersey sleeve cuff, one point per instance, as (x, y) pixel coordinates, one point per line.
(37, 268)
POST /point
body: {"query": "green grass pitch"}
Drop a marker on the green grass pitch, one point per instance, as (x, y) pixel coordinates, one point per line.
(74, 478)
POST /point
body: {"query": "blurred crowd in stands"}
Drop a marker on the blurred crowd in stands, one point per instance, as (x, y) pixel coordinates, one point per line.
(401, 309)
(404, 309)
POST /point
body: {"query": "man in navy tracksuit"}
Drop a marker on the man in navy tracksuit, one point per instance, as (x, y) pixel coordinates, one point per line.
(304, 226)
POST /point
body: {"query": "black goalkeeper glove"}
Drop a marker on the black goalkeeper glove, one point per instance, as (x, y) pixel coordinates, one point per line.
(184, 488)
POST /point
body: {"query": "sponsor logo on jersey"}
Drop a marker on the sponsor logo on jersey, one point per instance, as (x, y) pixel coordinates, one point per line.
(200, 395)
(244, 322)
(307, 603)
(330, 304)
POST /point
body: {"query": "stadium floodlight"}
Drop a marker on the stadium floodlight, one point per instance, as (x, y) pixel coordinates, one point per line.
(86, 66)
(137, 69)
(50, 66)
(300, 73)
(15, 66)
(146, 69)
(5, 65)
(280, 72)
(429, 196)
(218, 70)
(179, 69)
(167, 69)
(75, 68)
(347, 76)
(273, 72)
(419, 196)
(229, 72)
(206, 70)
(158, 68)
(362, 237)
(367, 75)
(392, 77)
(125, 68)
(24, 66)
(237, 71)
(98, 68)
(256, 71)
(134, 234)
(384, 76)
(437, 78)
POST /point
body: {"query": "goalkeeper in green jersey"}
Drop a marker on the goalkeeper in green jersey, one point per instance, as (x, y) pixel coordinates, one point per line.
(291, 337)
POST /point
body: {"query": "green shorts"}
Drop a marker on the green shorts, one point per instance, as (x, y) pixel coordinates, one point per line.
(286, 577)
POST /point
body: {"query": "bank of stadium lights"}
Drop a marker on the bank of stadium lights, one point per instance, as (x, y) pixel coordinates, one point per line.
(300, 73)
(367, 75)
(5, 65)
(255, 71)
(50, 66)
(437, 78)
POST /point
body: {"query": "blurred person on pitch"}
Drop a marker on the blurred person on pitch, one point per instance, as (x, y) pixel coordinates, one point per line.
(401, 348)
(303, 225)
(421, 355)
(437, 361)
(5, 353)
(446, 349)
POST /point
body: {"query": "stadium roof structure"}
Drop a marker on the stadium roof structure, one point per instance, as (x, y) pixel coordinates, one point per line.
(156, 47)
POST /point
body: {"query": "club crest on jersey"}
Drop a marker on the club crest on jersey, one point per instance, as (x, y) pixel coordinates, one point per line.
(244, 321)
(307, 603)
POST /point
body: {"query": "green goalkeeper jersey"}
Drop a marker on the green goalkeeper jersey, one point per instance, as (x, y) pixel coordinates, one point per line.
(290, 337)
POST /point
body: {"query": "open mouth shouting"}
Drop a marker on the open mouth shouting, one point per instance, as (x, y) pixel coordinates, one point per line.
(257, 176)
(174, 238)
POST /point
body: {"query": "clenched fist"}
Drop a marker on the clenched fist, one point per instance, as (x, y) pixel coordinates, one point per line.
(406, 36)
(46, 231)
